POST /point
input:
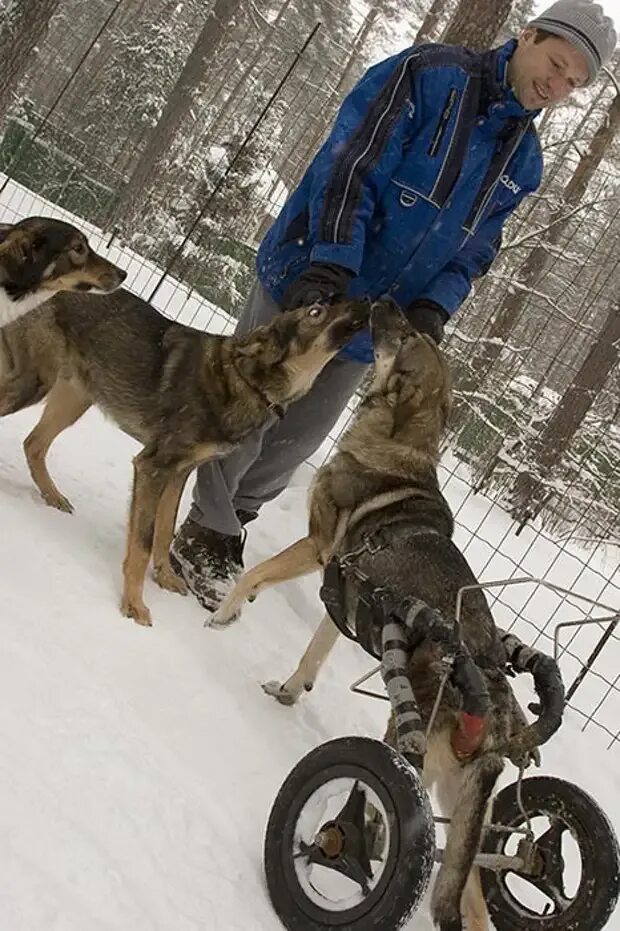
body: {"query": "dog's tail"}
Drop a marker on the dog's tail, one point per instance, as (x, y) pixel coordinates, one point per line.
(469, 806)
(29, 362)
(19, 393)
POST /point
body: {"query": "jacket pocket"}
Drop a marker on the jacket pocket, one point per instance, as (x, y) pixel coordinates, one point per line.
(297, 229)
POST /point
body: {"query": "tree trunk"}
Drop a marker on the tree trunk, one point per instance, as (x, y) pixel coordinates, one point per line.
(476, 23)
(178, 105)
(581, 393)
(570, 414)
(24, 26)
(429, 30)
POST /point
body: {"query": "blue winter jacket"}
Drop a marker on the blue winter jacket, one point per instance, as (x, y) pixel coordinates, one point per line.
(428, 156)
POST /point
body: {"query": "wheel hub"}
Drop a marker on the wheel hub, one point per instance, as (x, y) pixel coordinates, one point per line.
(331, 840)
(341, 844)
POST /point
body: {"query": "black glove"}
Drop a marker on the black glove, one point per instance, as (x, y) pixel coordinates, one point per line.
(320, 282)
(427, 317)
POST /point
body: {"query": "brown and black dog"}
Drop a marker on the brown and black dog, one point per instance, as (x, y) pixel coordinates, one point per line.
(40, 256)
(186, 395)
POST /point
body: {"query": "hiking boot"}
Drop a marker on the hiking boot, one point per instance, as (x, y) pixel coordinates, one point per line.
(244, 517)
(208, 561)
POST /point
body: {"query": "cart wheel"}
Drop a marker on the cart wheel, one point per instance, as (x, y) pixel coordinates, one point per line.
(576, 860)
(350, 841)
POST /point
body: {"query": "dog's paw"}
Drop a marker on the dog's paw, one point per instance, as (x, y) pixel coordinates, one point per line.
(55, 500)
(279, 691)
(166, 578)
(223, 617)
(137, 610)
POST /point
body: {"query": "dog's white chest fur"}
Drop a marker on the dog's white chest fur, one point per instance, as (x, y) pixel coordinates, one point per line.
(12, 310)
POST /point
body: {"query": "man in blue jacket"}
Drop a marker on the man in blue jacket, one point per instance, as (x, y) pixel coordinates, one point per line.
(429, 155)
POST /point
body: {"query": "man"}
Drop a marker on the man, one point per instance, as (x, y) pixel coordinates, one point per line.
(429, 155)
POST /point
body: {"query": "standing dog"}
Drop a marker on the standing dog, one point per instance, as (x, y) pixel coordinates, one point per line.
(382, 484)
(39, 257)
(187, 396)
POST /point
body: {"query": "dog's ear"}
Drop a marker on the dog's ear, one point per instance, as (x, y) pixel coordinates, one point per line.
(445, 406)
(444, 412)
(408, 405)
(446, 394)
(29, 256)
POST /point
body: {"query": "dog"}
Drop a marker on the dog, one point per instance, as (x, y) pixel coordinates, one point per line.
(383, 479)
(40, 256)
(185, 395)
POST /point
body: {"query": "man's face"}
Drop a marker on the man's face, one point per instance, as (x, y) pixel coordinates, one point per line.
(544, 74)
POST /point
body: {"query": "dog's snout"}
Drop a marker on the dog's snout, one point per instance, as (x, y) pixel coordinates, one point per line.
(383, 312)
(387, 321)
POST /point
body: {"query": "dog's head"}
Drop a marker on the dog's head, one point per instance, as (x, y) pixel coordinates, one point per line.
(40, 256)
(410, 371)
(284, 357)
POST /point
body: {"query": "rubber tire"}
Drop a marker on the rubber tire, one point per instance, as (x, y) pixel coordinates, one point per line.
(408, 864)
(599, 887)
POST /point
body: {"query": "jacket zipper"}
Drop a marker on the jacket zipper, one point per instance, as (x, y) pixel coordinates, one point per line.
(443, 123)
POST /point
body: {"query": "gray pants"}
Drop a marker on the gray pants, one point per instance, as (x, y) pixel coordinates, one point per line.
(261, 468)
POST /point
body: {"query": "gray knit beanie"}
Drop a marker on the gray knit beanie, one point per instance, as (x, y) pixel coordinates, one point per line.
(584, 24)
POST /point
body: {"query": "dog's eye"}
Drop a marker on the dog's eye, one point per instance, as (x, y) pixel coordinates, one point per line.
(79, 248)
(315, 311)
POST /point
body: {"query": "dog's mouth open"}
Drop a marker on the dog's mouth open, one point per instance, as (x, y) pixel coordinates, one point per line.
(347, 319)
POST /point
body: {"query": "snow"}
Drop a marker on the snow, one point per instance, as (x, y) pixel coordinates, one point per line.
(139, 765)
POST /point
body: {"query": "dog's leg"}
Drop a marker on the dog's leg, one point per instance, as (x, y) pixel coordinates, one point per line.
(293, 562)
(465, 801)
(66, 403)
(163, 573)
(148, 486)
(473, 904)
(304, 677)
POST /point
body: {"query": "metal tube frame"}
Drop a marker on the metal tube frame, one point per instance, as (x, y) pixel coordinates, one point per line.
(612, 619)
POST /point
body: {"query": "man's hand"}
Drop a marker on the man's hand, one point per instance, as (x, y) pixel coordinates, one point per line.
(320, 282)
(427, 317)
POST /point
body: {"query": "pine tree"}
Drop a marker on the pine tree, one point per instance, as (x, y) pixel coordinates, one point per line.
(23, 26)
(152, 164)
